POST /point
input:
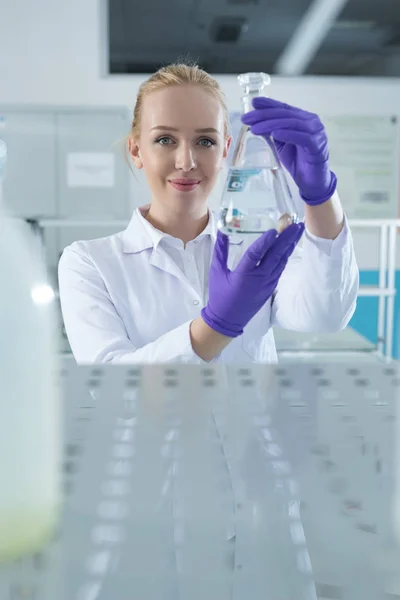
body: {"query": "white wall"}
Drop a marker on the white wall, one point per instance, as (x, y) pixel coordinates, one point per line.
(52, 52)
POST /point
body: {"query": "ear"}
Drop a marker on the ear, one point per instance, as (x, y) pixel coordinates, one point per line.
(134, 151)
(228, 142)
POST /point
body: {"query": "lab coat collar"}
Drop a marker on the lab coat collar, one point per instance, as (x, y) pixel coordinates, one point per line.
(141, 235)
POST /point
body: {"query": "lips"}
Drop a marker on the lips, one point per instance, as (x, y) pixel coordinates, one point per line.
(184, 185)
(185, 181)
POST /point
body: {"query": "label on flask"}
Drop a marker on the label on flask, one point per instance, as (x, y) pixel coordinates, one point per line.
(239, 177)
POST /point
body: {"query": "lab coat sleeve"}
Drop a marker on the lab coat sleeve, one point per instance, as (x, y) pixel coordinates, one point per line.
(96, 332)
(317, 292)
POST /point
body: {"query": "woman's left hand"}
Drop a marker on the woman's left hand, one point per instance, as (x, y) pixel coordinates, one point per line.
(302, 145)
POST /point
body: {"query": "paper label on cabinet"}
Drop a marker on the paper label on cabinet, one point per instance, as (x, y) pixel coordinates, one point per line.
(90, 170)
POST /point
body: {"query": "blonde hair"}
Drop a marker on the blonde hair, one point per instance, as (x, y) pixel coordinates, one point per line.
(180, 73)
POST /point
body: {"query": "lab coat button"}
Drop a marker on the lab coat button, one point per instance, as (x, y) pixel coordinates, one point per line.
(195, 302)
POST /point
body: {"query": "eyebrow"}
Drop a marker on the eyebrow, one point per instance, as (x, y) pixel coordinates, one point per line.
(167, 128)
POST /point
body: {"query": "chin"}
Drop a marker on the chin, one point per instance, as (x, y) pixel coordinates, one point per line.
(187, 200)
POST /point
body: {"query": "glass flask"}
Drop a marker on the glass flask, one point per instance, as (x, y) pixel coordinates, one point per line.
(256, 195)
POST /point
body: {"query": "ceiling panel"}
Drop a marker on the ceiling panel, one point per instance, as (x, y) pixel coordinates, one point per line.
(230, 36)
(378, 11)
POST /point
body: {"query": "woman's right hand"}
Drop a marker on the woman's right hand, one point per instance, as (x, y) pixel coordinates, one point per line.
(236, 296)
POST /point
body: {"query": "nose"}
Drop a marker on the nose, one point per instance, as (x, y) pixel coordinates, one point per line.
(185, 159)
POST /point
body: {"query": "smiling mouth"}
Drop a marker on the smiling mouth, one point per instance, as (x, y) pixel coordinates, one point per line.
(182, 185)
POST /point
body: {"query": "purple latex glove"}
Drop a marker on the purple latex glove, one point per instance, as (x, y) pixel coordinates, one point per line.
(302, 145)
(236, 296)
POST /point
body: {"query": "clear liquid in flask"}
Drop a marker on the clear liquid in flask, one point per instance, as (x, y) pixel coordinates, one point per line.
(253, 201)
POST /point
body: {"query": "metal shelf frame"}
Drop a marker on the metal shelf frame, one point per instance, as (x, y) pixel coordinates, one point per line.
(385, 291)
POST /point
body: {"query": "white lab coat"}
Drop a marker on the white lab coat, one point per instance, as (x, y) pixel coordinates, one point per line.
(130, 297)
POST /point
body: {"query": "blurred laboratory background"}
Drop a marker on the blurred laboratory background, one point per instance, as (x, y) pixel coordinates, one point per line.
(69, 76)
(307, 449)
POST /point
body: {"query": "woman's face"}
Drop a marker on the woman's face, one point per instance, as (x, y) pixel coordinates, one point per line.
(181, 145)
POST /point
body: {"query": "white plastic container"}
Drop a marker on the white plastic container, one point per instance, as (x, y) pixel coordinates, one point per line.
(30, 426)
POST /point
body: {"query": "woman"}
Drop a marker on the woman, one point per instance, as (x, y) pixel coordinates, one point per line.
(170, 288)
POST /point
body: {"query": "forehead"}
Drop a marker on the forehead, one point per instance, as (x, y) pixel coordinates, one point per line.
(183, 107)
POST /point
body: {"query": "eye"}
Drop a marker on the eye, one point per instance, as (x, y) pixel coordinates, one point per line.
(207, 142)
(164, 141)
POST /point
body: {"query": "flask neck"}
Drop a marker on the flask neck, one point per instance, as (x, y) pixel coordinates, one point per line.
(252, 85)
(247, 98)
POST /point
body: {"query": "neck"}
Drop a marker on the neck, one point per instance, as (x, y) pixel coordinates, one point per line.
(183, 226)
